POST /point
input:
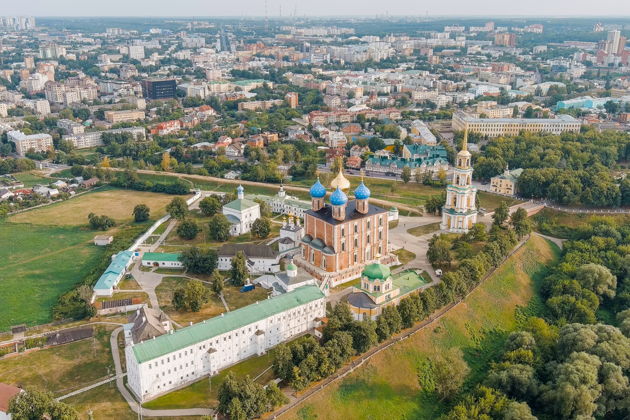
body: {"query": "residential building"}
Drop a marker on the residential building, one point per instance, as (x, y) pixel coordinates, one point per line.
(292, 99)
(159, 88)
(379, 288)
(342, 237)
(23, 143)
(70, 127)
(241, 213)
(495, 127)
(170, 361)
(459, 213)
(124, 116)
(95, 138)
(505, 39)
(506, 182)
(4, 110)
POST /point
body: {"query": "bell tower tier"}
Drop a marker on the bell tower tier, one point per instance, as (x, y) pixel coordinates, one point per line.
(460, 211)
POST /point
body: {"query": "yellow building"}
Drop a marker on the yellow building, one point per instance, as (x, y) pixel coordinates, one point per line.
(506, 182)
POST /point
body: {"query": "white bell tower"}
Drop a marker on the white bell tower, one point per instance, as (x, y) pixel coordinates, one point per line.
(460, 212)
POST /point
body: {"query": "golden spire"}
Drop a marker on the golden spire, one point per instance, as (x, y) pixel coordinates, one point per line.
(465, 143)
(340, 181)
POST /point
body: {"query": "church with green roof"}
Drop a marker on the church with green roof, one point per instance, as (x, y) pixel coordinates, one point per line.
(379, 288)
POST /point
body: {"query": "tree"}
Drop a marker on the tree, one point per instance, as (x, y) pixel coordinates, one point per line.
(198, 261)
(388, 323)
(520, 223)
(35, 405)
(598, 279)
(141, 213)
(239, 272)
(188, 230)
(501, 214)
(435, 203)
(219, 228)
(449, 372)
(478, 232)
(261, 228)
(217, 282)
(439, 253)
(177, 208)
(191, 297)
(406, 174)
(363, 335)
(166, 161)
(209, 206)
(102, 222)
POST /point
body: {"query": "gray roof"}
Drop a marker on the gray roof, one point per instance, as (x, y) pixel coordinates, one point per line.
(250, 250)
(147, 323)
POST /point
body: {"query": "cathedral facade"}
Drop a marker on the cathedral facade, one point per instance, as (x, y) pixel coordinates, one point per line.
(342, 236)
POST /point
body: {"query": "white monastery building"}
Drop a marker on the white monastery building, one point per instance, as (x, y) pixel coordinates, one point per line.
(241, 213)
(160, 364)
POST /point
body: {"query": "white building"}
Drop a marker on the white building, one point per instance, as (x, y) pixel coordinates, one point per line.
(94, 138)
(37, 142)
(161, 364)
(241, 213)
(286, 204)
(460, 211)
(258, 258)
(161, 259)
(4, 110)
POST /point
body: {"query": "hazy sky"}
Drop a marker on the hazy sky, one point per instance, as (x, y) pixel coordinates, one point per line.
(484, 8)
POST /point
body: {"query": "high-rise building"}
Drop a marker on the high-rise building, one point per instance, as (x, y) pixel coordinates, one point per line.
(136, 52)
(505, 39)
(292, 99)
(159, 88)
(460, 211)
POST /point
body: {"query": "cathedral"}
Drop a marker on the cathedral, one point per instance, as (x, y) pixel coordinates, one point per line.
(342, 236)
(460, 211)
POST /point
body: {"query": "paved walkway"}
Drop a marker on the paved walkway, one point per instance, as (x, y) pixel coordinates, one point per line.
(399, 237)
(87, 388)
(137, 408)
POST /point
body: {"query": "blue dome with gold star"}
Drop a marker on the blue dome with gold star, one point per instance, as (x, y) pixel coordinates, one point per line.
(338, 198)
(318, 190)
(362, 192)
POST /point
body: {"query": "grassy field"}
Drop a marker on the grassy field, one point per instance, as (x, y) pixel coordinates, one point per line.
(388, 386)
(115, 203)
(39, 264)
(559, 224)
(61, 369)
(203, 393)
(30, 179)
(424, 229)
(404, 256)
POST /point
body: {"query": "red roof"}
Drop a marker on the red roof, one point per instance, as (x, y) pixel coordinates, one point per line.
(7, 392)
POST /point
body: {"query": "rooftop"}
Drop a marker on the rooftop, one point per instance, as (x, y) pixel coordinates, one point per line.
(325, 213)
(160, 256)
(241, 204)
(185, 337)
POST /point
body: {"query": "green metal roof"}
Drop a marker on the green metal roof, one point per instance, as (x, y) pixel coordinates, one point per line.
(376, 272)
(185, 337)
(241, 204)
(160, 256)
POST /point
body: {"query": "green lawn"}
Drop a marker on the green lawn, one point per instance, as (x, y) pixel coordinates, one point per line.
(387, 386)
(31, 179)
(424, 229)
(61, 369)
(203, 393)
(404, 256)
(39, 264)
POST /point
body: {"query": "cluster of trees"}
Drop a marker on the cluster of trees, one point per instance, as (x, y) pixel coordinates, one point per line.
(35, 404)
(191, 296)
(594, 272)
(199, 261)
(305, 360)
(102, 222)
(11, 165)
(242, 398)
(567, 366)
(131, 180)
(141, 213)
(572, 168)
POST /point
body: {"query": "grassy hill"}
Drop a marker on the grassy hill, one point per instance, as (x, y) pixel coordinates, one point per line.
(388, 387)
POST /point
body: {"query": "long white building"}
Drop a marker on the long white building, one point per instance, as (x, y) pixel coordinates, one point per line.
(495, 127)
(162, 364)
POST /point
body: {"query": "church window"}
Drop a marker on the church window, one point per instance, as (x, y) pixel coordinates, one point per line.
(343, 246)
(356, 228)
(343, 232)
(356, 242)
(355, 257)
(368, 223)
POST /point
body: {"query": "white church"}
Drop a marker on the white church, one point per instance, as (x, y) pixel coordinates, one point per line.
(241, 213)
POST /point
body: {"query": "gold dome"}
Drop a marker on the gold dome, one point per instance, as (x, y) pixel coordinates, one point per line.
(340, 182)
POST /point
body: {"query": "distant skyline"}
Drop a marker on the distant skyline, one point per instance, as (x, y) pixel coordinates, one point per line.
(252, 8)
